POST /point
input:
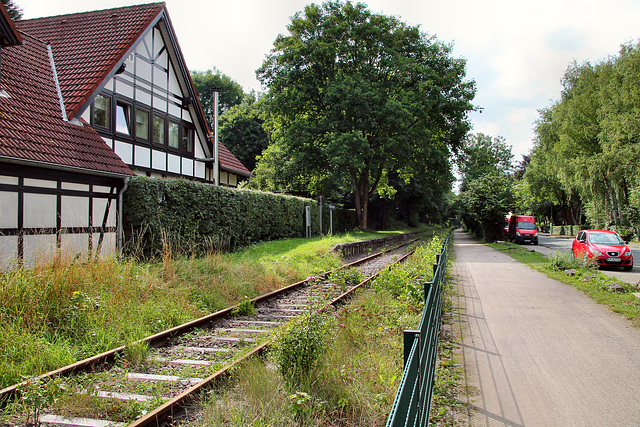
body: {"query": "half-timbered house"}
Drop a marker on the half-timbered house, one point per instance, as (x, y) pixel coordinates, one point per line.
(88, 100)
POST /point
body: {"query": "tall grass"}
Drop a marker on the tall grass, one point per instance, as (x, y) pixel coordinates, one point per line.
(59, 313)
(350, 383)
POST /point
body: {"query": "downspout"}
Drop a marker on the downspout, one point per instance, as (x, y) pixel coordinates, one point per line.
(120, 220)
(216, 163)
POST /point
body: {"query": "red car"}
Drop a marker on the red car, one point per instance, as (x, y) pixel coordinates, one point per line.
(603, 247)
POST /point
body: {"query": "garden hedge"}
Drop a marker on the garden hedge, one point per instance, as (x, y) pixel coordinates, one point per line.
(194, 217)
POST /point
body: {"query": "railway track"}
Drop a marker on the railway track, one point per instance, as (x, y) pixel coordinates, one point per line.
(169, 369)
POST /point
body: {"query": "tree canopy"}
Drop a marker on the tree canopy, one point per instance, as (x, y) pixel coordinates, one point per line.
(230, 92)
(487, 193)
(241, 131)
(355, 96)
(587, 144)
(481, 154)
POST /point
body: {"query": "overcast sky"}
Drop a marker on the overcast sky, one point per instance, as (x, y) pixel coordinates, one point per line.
(516, 51)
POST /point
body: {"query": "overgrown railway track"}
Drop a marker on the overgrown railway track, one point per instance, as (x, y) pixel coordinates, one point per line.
(180, 363)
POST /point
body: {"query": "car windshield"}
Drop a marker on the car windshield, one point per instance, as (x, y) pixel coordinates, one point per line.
(526, 226)
(605, 239)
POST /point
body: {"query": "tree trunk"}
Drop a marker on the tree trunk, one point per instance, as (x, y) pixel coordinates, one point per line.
(614, 208)
(361, 198)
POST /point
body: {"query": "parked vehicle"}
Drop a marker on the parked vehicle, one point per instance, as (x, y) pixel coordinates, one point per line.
(603, 247)
(523, 229)
(505, 229)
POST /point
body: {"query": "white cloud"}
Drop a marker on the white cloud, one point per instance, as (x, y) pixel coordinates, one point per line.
(517, 51)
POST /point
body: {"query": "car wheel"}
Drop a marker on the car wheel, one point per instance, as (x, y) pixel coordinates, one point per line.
(627, 267)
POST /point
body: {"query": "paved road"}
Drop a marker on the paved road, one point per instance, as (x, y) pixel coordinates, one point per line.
(540, 353)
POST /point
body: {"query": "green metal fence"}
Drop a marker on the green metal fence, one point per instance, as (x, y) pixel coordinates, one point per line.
(413, 400)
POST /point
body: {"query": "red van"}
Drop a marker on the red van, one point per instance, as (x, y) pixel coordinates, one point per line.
(523, 229)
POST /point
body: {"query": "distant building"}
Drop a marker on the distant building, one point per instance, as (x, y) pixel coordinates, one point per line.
(88, 100)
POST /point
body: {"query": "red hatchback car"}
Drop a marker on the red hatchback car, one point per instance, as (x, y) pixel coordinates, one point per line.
(603, 247)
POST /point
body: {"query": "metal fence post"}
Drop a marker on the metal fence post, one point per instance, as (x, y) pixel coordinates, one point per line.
(409, 337)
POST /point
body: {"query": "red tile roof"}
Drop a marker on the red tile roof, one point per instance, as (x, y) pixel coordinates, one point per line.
(87, 46)
(31, 123)
(230, 163)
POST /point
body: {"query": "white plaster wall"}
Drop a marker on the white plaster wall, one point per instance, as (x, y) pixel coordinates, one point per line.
(39, 249)
(173, 165)
(74, 211)
(187, 166)
(8, 251)
(72, 245)
(99, 206)
(108, 247)
(8, 209)
(143, 156)
(125, 151)
(159, 160)
(39, 211)
(200, 169)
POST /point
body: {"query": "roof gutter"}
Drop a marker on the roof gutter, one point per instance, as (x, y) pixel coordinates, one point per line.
(63, 167)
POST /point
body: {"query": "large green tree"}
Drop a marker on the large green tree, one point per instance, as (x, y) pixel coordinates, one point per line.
(485, 202)
(241, 131)
(588, 140)
(481, 154)
(354, 96)
(486, 193)
(206, 82)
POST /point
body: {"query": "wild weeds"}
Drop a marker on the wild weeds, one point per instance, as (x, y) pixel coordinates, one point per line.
(298, 345)
(564, 260)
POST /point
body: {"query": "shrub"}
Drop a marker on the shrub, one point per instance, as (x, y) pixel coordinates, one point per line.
(298, 345)
(407, 280)
(563, 260)
(191, 217)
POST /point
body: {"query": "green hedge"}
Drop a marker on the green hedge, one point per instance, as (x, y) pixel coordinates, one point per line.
(193, 217)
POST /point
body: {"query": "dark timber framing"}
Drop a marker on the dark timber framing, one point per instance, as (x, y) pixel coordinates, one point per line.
(60, 177)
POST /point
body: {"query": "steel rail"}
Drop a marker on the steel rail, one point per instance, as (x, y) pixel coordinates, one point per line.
(175, 407)
(109, 357)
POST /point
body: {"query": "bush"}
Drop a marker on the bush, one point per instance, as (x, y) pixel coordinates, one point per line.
(406, 281)
(298, 345)
(182, 216)
(563, 260)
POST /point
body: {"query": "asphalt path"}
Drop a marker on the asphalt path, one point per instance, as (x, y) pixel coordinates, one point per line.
(537, 352)
(548, 245)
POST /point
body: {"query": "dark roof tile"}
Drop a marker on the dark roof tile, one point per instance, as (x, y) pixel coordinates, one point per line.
(230, 163)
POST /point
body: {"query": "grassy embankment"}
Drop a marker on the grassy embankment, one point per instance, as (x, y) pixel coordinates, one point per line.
(342, 369)
(64, 313)
(56, 314)
(586, 278)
